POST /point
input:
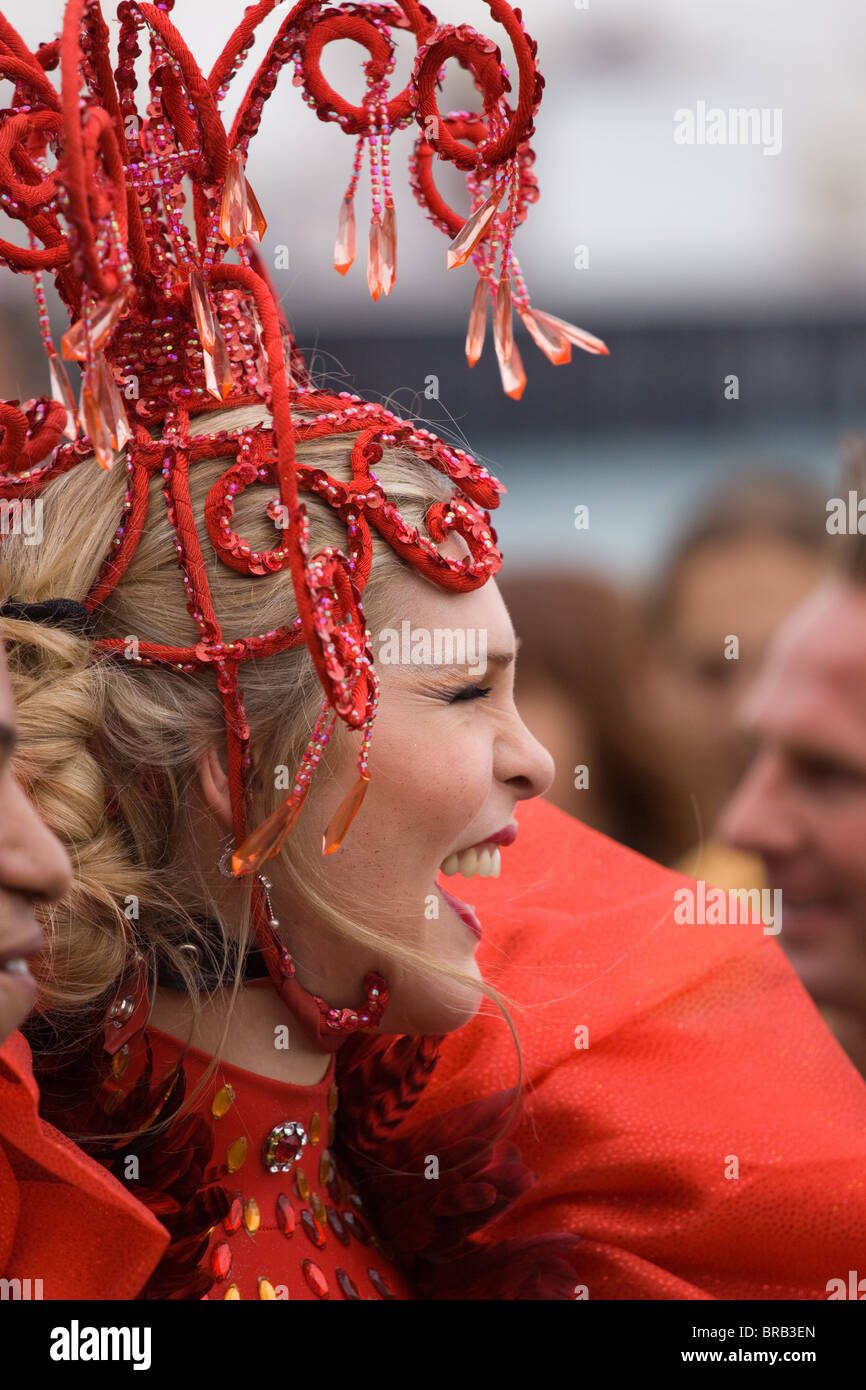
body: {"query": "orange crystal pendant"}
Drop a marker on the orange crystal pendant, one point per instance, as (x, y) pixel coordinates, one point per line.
(222, 1102)
(553, 344)
(111, 405)
(103, 317)
(477, 322)
(233, 209)
(342, 818)
(578, 336)
(236, 1154)
(255, 224)
(95, 424)
(268, 839)
(513, 375)
(389, 248)
(344, 248)
(473, 230)
(217, 367)
(61, 391)
(204, 320)
(503, 328)
(375, 268)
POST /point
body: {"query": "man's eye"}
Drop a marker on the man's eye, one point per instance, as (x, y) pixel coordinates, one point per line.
(471, 692)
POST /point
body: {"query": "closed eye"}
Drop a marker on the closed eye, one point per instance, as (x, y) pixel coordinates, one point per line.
(470, 692)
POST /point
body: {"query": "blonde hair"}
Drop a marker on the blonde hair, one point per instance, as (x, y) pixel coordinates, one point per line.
(91, 727)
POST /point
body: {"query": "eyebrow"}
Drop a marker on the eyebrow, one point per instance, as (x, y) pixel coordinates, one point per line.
(501, 659)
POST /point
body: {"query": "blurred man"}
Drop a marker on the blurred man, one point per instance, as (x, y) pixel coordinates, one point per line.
(802, 802)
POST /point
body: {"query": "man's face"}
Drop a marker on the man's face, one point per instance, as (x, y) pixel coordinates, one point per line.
(802, 803)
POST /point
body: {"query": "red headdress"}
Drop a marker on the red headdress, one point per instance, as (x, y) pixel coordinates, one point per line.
(101, 190)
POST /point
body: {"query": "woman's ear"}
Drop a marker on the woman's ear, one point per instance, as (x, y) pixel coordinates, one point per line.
(214, 783)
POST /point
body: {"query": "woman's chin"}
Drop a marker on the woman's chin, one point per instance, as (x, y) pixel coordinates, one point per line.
(437, 1006)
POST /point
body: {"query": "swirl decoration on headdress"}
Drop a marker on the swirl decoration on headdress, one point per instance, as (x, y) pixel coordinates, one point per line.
(164, 325)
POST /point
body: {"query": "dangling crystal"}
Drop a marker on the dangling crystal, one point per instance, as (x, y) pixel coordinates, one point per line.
(61, 391)
(267, 839)
(204, 319)
(503, 328)
(344, 249)
(513, 375)
(552, 343)
(111, 405)
(233, 209)
(342, 818)
(474, 230)
(578, 336)
(103, 317)
(94, 422)
(375, 269)
(477, 322)
(389, 248)
(255, 224)
(217, 367)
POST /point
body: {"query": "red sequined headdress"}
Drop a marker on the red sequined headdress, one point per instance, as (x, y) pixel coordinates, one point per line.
(165, 326)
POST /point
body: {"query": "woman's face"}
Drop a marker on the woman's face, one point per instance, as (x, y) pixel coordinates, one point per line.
(449, 760)
(34, 867)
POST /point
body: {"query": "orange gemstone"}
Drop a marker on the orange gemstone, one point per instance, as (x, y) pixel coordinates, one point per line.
(267, 1290)
(236, 1154)
(333, 1098)
(204, 319)
(232, 1293)
(389, 249)
(268, 838)
(233, 209)
(222, 1102)
(318, 1207)
(315, 1278)
(344, 248)
(326, 1168)
(474, 230)
(313, 1228)
(103, 317)
(252, 1216)
(96, 425)
(477, 322)
(286, 1218)
(513, 375)
(315, 1128)
(342, 818)
(221, 1259)
(332, 1131)
(217, 367)
(302, 1187)
(255, 225)
(553, 344)
(375, 268)
(503, 328)
(61, 391)
(120, 1061)
(578, 336)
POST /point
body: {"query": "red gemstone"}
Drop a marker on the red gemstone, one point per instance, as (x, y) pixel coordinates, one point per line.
(232, 1222)
(315, 1278)
(356, 1226)
(286, 1218)
(287, 1148)
(382, 1287)
(337, 1226)
(313, 1228)
(221, 1259)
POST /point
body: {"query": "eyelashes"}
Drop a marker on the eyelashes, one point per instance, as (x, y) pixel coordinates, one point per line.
(470, 692)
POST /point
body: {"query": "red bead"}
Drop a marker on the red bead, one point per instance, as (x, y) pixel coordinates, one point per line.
(221, 1259)
(313, 1228)
(382, 1287)
(315, 1278)
(286, 1216)
(348, 1287)
(232, 1222)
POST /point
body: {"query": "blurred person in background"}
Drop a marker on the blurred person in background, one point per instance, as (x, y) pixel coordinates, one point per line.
(577, 637)
(751, 553)
(801, 805)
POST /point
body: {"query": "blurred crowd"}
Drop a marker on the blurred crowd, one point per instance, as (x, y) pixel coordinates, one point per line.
(715, 720)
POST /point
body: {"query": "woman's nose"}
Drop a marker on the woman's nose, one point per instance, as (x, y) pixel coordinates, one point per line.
(32, 859)
(526, 765)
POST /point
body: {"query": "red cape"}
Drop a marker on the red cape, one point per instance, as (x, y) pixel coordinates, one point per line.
(706, 1056)
(63, 1219)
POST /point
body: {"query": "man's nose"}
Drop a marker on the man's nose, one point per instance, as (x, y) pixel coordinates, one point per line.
(759, 817)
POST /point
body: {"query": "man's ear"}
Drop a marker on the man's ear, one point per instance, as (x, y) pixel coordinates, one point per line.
(214, 783)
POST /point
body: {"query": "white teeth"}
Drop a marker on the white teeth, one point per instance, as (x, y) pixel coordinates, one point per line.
(485, 861)
(17, 966)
